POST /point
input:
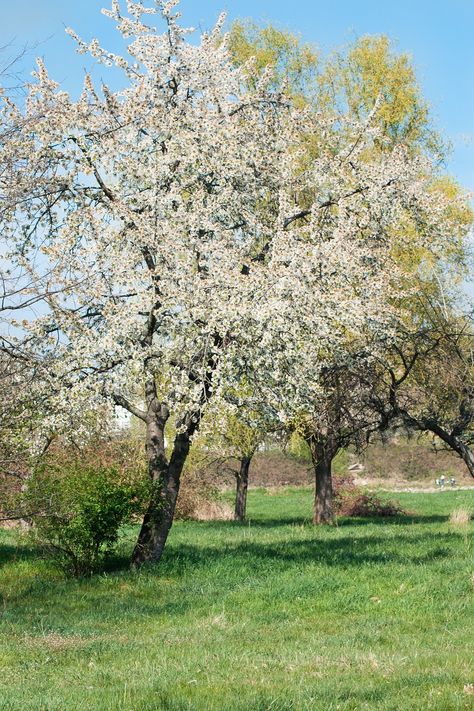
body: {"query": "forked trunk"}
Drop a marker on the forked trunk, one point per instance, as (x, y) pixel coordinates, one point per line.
(165, 479)
(242, 478)
(323, 452)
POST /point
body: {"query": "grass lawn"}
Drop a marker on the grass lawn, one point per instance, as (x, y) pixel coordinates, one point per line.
(274, 614)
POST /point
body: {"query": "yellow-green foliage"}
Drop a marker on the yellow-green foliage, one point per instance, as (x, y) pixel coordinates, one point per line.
(298, 447)
(293, 62)
(381, 72)
(368, 71)
(371, 70)
(353, 80)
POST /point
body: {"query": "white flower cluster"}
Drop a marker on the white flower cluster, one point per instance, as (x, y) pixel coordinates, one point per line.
(176, 232)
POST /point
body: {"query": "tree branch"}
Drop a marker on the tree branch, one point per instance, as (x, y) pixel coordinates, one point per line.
(123, 402)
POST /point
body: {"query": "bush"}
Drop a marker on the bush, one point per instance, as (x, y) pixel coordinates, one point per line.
(198, 498)
(351, 500)
(77, 511)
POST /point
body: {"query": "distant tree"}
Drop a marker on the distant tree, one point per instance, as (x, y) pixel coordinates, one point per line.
(342, 420)
(426, 380)
(262, 49)
(372, 69)
(238, 426)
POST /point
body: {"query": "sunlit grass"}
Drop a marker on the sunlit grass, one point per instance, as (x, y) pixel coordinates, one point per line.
(273, 614)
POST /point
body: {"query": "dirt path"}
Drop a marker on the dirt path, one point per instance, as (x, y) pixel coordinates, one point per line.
(424, 489)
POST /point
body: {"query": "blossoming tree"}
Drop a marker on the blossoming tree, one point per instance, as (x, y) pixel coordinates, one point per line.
(177, 238)
(369, 79)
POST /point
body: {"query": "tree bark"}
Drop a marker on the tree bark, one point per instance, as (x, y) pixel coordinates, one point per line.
(467, 456)
(454, 442)
(323, 452)
(164, 480)
(164, 475)
(242, 478)
(428, 424)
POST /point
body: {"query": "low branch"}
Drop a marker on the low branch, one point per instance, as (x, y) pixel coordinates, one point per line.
(123, 402)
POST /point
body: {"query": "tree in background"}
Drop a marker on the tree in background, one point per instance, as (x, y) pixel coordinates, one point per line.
(342, 420)
(368, 79)
(237, 427)
(369, 68)
(426, 379)
(293, 63)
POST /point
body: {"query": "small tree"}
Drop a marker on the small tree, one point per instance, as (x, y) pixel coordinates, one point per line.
(240, 429)
(426, 380)
(343, 419)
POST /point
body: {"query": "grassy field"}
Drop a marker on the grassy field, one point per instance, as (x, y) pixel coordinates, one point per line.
(272, 615)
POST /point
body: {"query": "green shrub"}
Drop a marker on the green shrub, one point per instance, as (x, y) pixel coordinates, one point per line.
(77, 511)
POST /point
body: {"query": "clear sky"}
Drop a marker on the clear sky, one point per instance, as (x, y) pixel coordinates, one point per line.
(439, 35)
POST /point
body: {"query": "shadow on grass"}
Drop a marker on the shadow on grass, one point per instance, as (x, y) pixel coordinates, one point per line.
(184, 580)
(10, 553)
(281, 521)
(400, 520)
(344, 551)
(119, 562)
(128, 596)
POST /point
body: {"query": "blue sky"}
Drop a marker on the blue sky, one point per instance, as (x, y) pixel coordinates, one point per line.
(439, 36)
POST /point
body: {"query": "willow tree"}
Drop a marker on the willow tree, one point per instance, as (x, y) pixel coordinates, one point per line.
(294, 64)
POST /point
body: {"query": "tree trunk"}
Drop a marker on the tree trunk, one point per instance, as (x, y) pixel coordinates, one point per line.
(164, 476)
(165, 479)
(323, 452)
(456, 444)
(241, 490)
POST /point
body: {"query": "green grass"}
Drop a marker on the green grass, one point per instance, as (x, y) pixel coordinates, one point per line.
(274, 614)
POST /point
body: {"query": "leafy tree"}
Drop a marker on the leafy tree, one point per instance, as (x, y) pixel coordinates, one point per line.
(368, 81)
(238, 425)
(293, 64)
(370, 72)
(164, 213)
(426, 379)
(186, 240)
